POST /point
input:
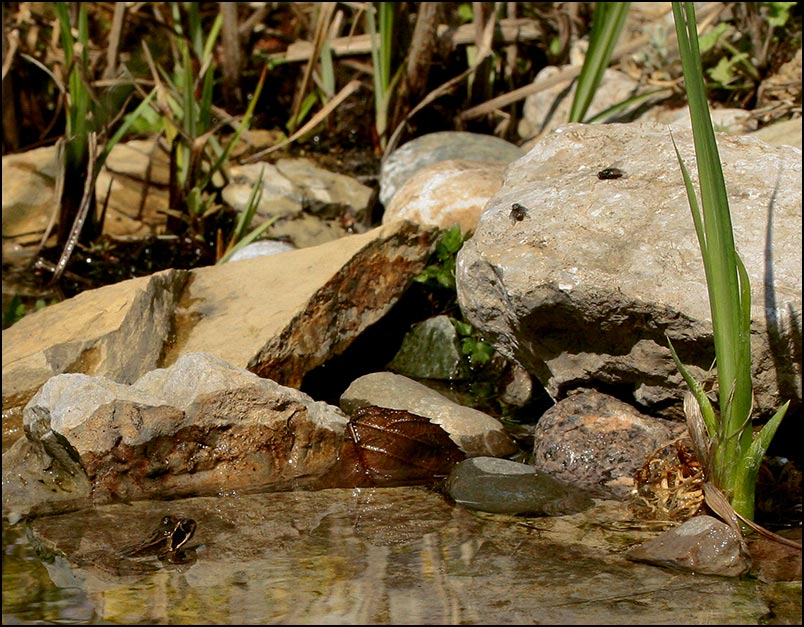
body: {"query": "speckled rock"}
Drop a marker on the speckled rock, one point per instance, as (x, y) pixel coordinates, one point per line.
(596, 442)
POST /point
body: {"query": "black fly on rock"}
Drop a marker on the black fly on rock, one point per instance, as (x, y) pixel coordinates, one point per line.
(518, 213)
(607, 174)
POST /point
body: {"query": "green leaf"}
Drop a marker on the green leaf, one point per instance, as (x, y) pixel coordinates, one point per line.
(607, 22)
(722, 72)
(707, 411)
(708, 40)
(778, 12)
(452, 240)
(463, 328)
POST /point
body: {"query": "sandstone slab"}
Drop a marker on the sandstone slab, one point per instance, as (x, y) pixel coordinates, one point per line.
(117, 331)
(282, 315)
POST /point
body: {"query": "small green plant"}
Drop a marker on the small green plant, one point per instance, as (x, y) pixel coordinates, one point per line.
(741, 51)
(16, 309)
(241, 237)
(80, 158)
(440, 275)
(476, 350)
(725, 442)
(441, 272)
(184, 100)
(79, 123)
(381, 20)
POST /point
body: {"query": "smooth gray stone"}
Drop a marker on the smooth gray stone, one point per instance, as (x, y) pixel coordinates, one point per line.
(431, 350)
(501, 486)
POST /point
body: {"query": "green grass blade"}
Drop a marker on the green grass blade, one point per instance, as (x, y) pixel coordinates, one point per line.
(248, 239)
(722, 276)
(245, 217)
(624, 105)
(387, 42)
(707, 411)
(379, 86)
(244, 123)
(128, 121)
(692, 198)
(607, 22)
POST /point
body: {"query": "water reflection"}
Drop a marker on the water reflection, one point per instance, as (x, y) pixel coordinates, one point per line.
(401, 555)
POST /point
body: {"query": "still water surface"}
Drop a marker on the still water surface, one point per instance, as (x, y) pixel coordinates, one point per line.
(388, 556)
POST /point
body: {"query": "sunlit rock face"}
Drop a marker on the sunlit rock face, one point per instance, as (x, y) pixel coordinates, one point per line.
(586, 278)
(199, 427)
(279, 316)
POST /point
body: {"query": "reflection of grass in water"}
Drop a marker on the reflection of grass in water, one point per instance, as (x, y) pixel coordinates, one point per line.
(28, 592)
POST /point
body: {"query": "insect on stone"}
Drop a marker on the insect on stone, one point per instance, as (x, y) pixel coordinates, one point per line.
(518, 212)
(610, 173)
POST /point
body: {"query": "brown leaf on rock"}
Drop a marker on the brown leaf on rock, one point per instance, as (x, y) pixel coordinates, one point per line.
(392, 447)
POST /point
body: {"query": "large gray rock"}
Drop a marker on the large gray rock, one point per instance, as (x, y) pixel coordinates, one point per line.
(584, 289)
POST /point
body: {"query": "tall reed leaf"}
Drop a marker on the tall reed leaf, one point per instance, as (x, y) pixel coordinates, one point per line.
(735, 453)
(607, 22)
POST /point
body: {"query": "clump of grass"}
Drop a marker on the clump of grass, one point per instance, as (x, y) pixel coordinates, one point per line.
(724, 440)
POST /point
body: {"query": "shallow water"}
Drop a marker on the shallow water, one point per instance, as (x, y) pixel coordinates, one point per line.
(391, 556)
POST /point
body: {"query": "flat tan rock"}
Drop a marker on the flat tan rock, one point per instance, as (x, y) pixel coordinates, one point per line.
(117, 331)
(278, 316)
(283, 315)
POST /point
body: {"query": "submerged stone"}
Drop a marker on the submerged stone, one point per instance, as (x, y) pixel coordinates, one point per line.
(501, 486)
(702, 545)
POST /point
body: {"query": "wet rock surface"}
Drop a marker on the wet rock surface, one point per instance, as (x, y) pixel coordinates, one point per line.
(500, 486)
(202, 426)
(702, 544)
(431, 350)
